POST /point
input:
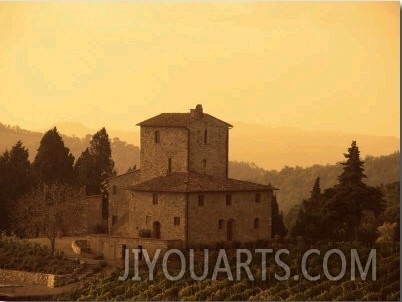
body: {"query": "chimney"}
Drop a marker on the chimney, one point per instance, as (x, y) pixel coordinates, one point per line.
(197, 112)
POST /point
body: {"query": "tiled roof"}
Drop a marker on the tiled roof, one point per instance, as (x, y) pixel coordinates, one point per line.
(175, 120)
(193, 182)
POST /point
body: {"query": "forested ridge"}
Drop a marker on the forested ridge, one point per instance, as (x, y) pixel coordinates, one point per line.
(295, 183)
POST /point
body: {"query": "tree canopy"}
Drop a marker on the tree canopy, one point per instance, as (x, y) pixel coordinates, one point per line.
(278, 227)
(340, 212)
(95, 164)
(53, 162)
(44, 209)
(15, 180)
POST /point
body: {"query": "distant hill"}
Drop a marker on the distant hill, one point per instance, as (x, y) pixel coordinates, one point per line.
(270, 147)
(125, 155)
(295, 183)
(131, 136)
(276, 147)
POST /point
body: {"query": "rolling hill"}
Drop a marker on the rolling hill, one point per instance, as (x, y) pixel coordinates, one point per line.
(313, 150)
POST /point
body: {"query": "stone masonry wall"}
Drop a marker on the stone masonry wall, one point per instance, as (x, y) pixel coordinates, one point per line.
(111, 246)
(83, 216)
(214, 151)
(118, 201)
(154, 156)
(143, 213)
(22, 278)
(204, 221)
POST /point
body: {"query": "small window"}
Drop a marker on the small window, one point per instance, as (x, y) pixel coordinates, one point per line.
(114, 219)
(114, 189)
(169, 166)
(258, 197)
(176, 220)
(157, 137)
(155, 198)
(257, 223)
(204, 163)
(205, 136)
(221, 224)
(200, 200)
(229, 199)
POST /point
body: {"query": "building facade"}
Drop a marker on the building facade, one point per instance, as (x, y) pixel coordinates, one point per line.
(182, 196)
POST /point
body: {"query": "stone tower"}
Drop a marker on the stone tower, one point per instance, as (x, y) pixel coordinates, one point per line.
(184, 142)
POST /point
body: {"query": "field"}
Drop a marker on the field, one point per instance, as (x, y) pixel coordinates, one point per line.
(385, 287)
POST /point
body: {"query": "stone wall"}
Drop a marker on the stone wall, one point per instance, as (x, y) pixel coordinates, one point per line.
(204, 221)
(154, 156)
(111, 247)
(214, 150)
(83, 216)
(15, 277)
(118, 201)
(94, 212)
(143, 214)
(21, 277)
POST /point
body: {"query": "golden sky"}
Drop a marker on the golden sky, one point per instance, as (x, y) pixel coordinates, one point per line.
(328, 66)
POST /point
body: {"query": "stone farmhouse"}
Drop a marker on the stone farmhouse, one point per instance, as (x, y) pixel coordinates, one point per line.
(181, 197)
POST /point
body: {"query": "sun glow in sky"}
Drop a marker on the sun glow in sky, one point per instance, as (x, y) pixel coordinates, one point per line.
(328, 66)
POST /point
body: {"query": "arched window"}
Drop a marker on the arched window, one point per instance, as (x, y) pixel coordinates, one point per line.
(205, 136)
(221, 224)
(256, 223)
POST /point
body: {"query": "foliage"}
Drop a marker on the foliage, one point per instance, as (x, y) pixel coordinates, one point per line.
(53, 162)
(26, 256)
(15, 180)
(95, 164)
(295, 182)
(278, 227)
(337, 213)
(44, 210)
(387, 232)
(386, 287)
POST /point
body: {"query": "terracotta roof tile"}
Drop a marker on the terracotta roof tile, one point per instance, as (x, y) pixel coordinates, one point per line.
(193, 182)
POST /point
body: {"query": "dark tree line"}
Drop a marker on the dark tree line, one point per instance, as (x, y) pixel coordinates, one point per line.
(53, 166)
(345, 212)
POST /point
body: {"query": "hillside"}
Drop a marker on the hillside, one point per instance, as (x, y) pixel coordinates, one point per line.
(270, 147)
(277, 147)
(295, 183)
(125, 155)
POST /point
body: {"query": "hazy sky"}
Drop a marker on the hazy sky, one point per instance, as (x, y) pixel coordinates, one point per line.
(328, 66)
